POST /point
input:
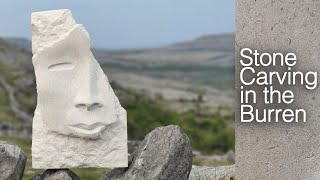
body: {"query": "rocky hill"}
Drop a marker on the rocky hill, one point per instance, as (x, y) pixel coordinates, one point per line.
(178, 72)
(182, 76)
(187, 84)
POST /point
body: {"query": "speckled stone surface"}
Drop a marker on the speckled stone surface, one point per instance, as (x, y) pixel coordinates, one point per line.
(280, 150)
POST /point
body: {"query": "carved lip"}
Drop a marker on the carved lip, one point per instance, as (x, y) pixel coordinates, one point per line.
(88, 126)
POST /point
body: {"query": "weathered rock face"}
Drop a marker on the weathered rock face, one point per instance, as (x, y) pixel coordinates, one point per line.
(78, 121)
(279, 150)
(165, 153)
(12, 161)
(208, 173)
(57, 174)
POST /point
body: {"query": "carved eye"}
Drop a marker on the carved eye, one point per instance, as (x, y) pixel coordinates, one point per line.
(61, 66)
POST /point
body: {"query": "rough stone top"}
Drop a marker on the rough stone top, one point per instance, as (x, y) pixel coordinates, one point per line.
(49, 26)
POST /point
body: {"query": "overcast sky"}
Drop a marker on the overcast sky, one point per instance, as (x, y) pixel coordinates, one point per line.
(116, 24)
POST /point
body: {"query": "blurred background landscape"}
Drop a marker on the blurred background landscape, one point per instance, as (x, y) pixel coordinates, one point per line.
(159, 79)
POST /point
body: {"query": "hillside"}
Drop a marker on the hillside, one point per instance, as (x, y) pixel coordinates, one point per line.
(183, 76)
(180, 72)
(188, 84)
(207, 50)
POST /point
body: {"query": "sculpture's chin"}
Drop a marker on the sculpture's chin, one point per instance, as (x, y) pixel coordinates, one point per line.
(85, 133)
(82, 133)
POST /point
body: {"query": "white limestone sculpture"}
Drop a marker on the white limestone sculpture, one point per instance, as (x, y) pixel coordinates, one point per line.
(78, 121)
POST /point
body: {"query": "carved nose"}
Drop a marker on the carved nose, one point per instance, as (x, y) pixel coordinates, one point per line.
(89, 104)
(88, 96)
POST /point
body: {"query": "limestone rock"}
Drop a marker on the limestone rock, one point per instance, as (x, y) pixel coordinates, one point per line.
(12, 161)
(48, 26)
(165, 153)
(208, 173)
(78, 121)
(54, 174)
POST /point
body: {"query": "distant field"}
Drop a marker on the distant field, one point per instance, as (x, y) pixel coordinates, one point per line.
(182, 72)
(221, 78)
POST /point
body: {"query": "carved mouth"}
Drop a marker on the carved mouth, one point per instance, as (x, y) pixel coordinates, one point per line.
(89, 127)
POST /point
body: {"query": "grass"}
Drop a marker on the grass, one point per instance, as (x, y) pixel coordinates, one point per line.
(208, 133)
(6, 72)
(6, 115)
(27, 99)
(209, 75)
(23, 95)
(202, 162)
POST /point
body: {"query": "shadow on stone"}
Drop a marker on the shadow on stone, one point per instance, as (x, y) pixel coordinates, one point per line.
(54, 174)
(165, 153)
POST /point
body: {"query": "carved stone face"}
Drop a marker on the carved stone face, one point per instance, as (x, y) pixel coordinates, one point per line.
(73, 94)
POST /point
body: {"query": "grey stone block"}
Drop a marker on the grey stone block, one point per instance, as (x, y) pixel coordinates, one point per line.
(12, 161)
(57, 174)
(164, 154)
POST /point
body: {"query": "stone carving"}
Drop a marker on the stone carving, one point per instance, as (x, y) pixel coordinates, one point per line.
(78, 121)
